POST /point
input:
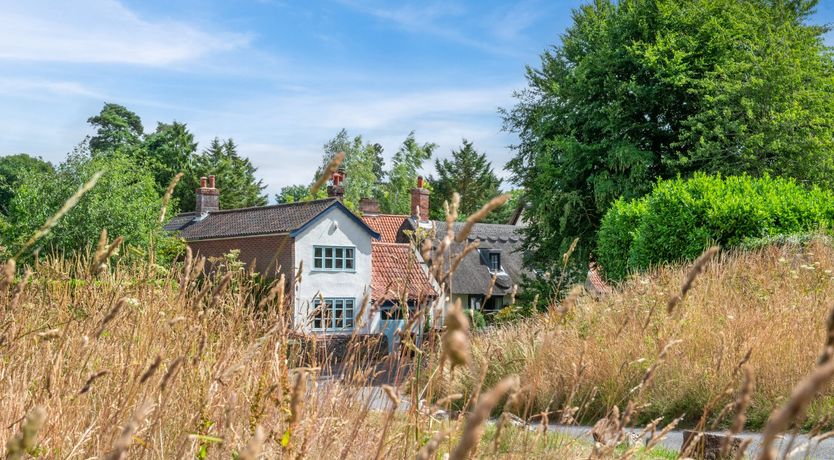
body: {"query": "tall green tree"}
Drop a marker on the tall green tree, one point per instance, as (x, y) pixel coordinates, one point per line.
(167, 151)
(235, 177)
(13, 169)
(470, 174)
(362, 165)
(292, 194)
(645, 89)
(116, 128)
(396, 194)
(125, 201)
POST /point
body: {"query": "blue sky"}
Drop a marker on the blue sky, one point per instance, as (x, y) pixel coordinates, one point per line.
(279, 77)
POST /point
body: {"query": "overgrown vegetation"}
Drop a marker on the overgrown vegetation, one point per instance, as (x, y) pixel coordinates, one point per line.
(108, 356)
(679, 218)
(765, 309)
(641, 90)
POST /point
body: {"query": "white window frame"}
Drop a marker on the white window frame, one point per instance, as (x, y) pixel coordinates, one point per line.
(321, 257)
(340, 314)
(489, 261)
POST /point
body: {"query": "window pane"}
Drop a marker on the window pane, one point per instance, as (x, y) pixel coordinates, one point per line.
(317, 252)
(495, 262)
(349, 258)
(316, 314)
(317, 263)
(328, 263)
(328, 252)
(338, 263)
(348, 312)
(338, 252)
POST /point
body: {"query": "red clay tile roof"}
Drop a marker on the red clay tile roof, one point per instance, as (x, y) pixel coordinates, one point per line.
(595, 283)
(396, 271)
(389, 226)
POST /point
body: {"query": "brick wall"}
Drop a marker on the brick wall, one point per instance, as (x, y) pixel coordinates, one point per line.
(267, 252)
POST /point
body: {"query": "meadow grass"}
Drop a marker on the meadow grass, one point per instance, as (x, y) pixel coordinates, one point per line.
(771, 303)
(103, 356)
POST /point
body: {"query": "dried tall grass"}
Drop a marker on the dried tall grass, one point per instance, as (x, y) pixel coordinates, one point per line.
(104, 359)
(773, 301)
(183, 363)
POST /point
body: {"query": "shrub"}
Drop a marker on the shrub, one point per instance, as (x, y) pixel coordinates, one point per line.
(616, 236)
(679, 218)
(476, 317)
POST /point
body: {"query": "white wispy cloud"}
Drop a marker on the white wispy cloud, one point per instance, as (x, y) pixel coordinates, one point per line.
(493, 30)
(102, 31)
(439, 19)
(40, 87)
(284, 135)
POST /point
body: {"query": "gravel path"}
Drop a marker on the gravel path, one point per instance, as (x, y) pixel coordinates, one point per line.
(800, 447)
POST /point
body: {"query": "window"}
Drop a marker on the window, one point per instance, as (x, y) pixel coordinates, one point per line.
(392, 310)
(494, 303)
(495, 261)
(330, 258)
(337, 313)
(475, 302)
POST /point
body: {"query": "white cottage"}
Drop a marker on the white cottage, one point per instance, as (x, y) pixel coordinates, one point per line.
(331, 247)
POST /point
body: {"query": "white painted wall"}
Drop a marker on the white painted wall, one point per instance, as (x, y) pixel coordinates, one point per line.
(335, 228)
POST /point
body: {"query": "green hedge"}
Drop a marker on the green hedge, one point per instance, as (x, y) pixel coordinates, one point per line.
(680, 218)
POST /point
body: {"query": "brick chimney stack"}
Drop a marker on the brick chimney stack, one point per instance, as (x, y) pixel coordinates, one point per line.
(420, 202)
(369, 206)
(336, 189)
(208, 197)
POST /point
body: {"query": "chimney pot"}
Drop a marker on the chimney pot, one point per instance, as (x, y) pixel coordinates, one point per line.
(211, 181)
(419, 181)
(203, 182)
(336, 189)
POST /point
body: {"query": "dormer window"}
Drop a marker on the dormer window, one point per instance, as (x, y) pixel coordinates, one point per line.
(495, 261)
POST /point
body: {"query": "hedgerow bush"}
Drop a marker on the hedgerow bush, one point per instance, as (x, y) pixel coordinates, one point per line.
(681, 217)
(619, 226)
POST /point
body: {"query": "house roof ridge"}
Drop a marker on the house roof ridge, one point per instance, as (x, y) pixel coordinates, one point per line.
(255, 220)
(272, 206)
(462, 222)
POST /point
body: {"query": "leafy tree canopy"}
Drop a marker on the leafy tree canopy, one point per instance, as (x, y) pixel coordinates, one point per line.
(470, 174)
(116, 128)
(396, 193)
(13, 168)
(292, 194)
(167, 151)
(124, 201)
(363, 165)
(235, 176)
(645, 89)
